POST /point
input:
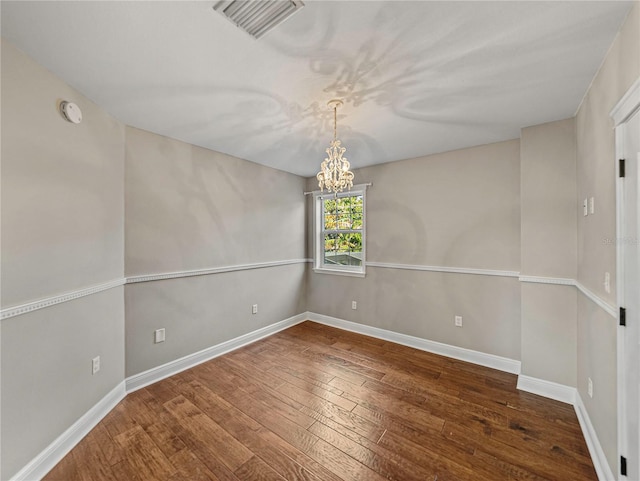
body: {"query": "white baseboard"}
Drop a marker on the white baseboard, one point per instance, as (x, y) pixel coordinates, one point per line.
(138, 381)
(570, 395)
(39, 466)
(600, 463)
(468, 355)
(548, 389)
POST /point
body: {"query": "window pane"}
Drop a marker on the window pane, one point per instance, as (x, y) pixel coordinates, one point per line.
(344, 221)
(329, 205)
(329, 220)
(356, 205)
(343, 249)
(330, 249)
(343, 213)
(330, 242)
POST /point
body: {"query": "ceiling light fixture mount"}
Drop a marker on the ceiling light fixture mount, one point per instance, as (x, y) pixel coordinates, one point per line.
(334, 172)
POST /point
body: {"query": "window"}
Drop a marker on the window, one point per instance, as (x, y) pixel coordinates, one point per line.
(340, 232)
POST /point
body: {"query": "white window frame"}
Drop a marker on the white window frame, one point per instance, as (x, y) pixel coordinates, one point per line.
(318, 233)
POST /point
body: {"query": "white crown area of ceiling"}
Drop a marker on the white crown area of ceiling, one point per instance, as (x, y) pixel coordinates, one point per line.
(417, 77)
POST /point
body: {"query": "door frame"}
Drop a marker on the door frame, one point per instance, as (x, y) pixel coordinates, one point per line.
(628, 105)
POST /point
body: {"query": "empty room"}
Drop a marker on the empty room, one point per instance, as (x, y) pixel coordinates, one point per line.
(320, 240)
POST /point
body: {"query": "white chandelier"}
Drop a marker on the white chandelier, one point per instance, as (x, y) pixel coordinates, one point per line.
(334, 172)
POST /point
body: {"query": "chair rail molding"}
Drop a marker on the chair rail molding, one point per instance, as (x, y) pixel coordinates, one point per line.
(31, 306)
(213, 270)
(51, 301)
(560, 281)
(608, 308)
(451, 270)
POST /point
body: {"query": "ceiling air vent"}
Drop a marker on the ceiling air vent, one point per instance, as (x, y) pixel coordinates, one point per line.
(257, 17)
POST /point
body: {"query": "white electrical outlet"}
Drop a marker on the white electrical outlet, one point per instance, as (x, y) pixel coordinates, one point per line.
(607, 282)
(160, 335)
(592, 205)
(95, 365)
(354, 305)
(458, 321)
(585, 208)
(590, 387)
(254, 309)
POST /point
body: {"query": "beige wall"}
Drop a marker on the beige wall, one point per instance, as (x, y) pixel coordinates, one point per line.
(596, 157)
(202, 311)
(47, 383)
(597, 359)
(548, 195)
(62, 187)
(62, 230)
(458, 209)
(548, 249)
(190, 208)
(596, 177)
(423, 304)
(548, 323)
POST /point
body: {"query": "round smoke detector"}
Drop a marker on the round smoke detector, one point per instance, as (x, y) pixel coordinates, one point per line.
(71, 112)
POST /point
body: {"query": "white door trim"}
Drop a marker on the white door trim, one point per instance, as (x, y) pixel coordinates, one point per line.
(627, 105)
(625, 108)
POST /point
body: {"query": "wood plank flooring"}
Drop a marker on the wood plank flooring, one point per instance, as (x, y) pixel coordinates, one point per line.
(315, 403)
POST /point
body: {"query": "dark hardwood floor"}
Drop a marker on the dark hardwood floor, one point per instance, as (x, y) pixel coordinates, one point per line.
(316, 403)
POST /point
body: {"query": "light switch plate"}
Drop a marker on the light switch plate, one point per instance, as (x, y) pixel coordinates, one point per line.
(95, 365)
(159, 335)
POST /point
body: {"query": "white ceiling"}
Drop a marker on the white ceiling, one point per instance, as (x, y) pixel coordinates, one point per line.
(417, 77)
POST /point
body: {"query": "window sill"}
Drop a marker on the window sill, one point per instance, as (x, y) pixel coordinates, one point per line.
(338, 272)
